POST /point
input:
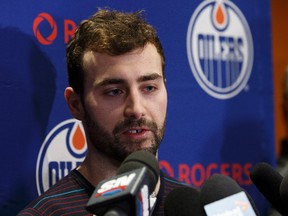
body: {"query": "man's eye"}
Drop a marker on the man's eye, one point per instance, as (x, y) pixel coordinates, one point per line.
(114, 92)
(150, 88)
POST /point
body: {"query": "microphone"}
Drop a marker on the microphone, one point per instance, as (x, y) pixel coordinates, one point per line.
(268, 182)
(284, 194)
(128, 192)
(221, 195)
(183, 201)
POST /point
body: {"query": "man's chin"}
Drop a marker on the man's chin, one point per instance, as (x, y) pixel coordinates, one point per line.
(119, 154)
(151, 149)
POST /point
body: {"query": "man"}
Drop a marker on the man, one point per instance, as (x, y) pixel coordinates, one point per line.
(117, 89)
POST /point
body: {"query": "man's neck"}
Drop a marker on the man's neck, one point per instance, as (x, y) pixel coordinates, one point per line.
(97, 167)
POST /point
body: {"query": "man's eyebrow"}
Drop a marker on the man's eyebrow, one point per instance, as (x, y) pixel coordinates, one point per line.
(113, 81)
(110, 81)
(149, 77)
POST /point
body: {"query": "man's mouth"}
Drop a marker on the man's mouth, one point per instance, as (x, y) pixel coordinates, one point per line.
(135, 131)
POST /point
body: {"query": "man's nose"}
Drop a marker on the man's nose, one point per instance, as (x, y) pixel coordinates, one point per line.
(134, 107)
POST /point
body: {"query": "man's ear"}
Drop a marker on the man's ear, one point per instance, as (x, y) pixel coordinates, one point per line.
(74, 103)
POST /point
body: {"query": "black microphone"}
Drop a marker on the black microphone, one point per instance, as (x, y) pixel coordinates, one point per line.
(183, 201)
(284, 194)
(221, 195)
(268, 182)
(128, 192)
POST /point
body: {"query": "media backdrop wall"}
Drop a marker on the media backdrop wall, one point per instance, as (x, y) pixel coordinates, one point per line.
(219, 80)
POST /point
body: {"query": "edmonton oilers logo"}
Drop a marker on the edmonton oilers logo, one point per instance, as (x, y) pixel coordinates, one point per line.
(220, 48)
(63, 149)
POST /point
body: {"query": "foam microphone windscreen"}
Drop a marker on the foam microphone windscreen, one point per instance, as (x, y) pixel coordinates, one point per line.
(218, 187)
(268, 182)
(183, 201)
(284, 192)
(139, 159)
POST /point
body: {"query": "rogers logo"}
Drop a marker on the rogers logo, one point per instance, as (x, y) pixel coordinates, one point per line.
(46, 31)
(45, 17)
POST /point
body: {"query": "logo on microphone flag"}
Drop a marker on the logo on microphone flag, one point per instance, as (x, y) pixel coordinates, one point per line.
(63, 149)
(220, 48)
(234, 205)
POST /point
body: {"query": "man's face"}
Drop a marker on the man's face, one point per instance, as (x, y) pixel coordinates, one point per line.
(124, 101)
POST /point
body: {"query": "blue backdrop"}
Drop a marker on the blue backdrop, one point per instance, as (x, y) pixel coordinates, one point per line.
(219, 80)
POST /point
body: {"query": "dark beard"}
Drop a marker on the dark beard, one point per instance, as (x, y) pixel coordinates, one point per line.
(111, 146)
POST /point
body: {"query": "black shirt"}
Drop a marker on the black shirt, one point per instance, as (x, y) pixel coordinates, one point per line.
(70, 195)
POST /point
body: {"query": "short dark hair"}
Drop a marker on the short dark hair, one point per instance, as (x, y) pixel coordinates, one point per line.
(111, 32)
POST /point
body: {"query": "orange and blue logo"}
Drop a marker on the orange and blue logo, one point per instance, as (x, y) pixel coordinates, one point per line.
(63, 149)
(220, 48)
